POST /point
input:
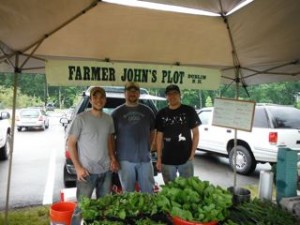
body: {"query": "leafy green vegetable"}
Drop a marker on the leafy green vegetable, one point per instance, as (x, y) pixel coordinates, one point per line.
(188, 198)
(261, 212)
(119, 207)
(194, 200)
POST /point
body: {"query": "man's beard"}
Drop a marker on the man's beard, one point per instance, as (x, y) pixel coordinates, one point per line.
(97, 109)
(133, 100)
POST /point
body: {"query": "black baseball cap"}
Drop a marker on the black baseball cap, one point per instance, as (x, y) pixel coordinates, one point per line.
(172, 87)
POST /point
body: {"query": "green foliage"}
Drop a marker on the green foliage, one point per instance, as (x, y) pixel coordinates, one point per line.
(35, 87)
(278, 93)
(27, 216)
(134, 206)
(34, 91)
(260, 212)
(208, 102)
(22, 100)
(194, 200)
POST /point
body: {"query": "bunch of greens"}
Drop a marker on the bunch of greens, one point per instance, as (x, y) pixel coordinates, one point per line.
(258, 212)
(194, 200)
(119, 207)
(145, 221)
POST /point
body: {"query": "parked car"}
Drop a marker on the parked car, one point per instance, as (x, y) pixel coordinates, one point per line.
(274, 126)
(114, 98)
(50, 107)
(5, 133)
(32, 118)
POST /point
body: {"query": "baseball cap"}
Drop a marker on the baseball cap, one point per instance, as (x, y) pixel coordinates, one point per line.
(95, 90)
(172, 87)
(132, 85)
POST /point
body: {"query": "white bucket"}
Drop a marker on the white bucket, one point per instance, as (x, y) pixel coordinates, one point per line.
(265, 188)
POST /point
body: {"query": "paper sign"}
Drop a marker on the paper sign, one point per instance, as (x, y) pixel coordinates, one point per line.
(236, 114)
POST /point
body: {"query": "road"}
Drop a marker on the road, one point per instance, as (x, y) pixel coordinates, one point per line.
(38, 160)
(36, 176)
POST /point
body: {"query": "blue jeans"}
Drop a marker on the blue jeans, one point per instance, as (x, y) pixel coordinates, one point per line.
(169, 172)
(142, 172)
(101, 183)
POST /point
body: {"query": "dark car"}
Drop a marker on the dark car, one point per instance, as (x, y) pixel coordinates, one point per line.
(50, 107)
(114, 98)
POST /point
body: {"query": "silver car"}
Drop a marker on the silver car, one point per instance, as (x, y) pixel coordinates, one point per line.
(32, 118)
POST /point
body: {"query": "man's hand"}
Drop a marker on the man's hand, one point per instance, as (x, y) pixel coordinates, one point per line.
(114, 165)
(82, 173)
(158, 164)
(192, 157)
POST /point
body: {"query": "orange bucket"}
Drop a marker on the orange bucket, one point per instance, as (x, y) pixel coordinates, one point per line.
(61, 213)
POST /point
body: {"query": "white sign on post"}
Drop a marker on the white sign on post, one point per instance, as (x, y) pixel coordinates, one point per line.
(231, 113)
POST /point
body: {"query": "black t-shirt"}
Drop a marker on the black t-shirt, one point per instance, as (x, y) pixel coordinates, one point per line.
(176, 125)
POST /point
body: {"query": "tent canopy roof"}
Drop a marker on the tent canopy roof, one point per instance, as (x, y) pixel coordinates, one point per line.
(265, 34)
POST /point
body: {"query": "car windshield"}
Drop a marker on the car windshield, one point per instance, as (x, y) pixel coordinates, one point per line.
(286, 117)
(29, 113)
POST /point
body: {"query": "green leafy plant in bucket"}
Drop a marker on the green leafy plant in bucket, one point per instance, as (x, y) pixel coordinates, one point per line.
(194, 200)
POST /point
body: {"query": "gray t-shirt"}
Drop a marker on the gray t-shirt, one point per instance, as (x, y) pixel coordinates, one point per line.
(133, 126)
(92, 134)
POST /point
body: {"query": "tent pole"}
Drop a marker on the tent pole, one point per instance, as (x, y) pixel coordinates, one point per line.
(238, 79)
(237, 83)
(11, 141)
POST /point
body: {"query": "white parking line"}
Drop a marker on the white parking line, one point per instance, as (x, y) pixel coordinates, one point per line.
(48, 193)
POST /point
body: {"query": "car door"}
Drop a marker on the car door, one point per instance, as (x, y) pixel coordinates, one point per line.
(213, 138)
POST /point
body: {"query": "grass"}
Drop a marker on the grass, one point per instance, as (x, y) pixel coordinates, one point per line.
(255, 192)
(36, 215)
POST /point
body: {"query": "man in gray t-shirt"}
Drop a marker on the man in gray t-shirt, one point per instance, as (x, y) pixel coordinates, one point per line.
(134, 131)
(90, 142)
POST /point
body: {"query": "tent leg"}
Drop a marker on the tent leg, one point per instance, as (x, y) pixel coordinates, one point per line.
(11, 144)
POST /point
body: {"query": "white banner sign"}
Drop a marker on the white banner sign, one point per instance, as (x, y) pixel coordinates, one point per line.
(77, 73)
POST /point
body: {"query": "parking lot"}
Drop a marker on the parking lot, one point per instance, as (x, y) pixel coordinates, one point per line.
(38, 159)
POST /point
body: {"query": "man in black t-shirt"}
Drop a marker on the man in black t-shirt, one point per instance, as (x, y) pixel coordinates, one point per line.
(177, 136)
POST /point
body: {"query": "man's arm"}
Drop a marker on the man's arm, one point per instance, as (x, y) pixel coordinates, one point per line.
(195, 141)
(114, 164)
(159, 146)
(153, 141)
(80, 170)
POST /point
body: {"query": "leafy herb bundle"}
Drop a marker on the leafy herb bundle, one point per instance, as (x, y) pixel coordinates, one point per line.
(131, 207)
(258, 212)
(194, 200)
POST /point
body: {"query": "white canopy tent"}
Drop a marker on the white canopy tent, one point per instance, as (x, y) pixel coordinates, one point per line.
(259, 43)
(261, 40)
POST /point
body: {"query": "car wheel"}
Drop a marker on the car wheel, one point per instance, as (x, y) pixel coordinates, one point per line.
(245, 162)
(5, 150)
(19, 128)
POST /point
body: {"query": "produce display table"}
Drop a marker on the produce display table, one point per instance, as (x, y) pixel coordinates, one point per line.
(189, 199)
